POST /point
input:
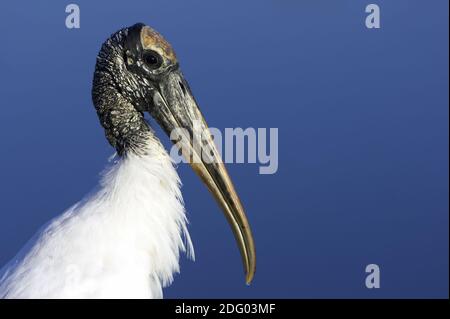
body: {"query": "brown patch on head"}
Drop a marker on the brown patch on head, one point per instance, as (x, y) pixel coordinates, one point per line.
(154, 41)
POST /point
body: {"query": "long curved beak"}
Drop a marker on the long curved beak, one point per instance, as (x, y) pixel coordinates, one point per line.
(177, 112)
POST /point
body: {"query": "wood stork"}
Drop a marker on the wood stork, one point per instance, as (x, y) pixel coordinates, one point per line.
(124, 239)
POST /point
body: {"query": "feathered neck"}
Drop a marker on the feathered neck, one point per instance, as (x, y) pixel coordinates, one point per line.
(143, 191)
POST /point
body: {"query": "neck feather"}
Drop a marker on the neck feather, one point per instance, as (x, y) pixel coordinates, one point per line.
(143, 191)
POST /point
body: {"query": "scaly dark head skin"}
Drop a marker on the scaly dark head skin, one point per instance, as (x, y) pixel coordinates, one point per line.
(125, 76)
(136, 72)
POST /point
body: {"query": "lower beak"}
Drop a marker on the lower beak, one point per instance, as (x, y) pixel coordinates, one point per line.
(176, 111)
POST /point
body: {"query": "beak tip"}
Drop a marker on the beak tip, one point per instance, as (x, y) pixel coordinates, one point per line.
(249, 278)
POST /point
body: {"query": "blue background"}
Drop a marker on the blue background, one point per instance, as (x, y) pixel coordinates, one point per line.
(363, 136)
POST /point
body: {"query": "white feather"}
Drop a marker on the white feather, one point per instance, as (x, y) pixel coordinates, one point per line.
(123, 241)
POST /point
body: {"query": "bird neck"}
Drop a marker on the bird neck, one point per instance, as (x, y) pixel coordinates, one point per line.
(144, 198)
(125, 126)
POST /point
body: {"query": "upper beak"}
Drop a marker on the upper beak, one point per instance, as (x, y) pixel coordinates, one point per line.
(176, 108)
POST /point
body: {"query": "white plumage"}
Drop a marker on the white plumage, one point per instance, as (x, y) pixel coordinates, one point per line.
(123, 241)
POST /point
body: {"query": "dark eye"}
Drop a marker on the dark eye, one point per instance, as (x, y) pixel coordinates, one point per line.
(152, 59)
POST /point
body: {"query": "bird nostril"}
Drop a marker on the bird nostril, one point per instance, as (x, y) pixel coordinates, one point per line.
(183, 88)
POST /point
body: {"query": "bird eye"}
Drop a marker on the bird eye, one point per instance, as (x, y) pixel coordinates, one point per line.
(152, 59)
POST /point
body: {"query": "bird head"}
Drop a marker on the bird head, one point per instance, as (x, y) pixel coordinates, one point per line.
(137, 71)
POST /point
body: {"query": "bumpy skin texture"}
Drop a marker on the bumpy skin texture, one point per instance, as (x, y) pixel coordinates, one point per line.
(113, 90)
